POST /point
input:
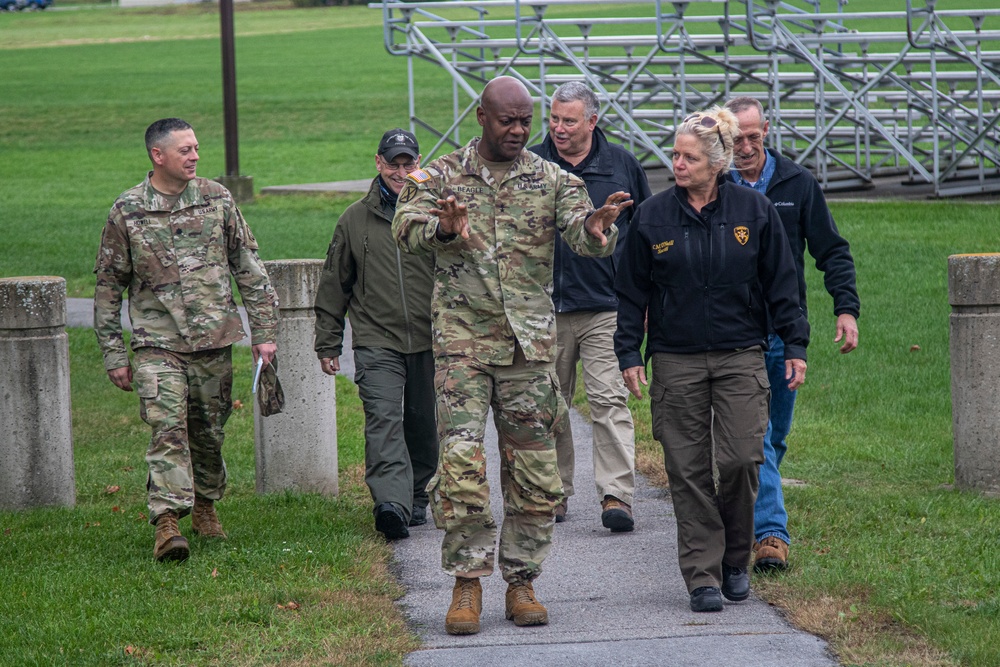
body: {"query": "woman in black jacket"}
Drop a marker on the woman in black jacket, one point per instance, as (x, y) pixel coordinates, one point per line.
(709, 263)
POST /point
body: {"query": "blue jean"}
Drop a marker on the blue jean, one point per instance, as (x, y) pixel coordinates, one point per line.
(769, 516)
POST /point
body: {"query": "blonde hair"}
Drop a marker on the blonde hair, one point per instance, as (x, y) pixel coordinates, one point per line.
(716, 138)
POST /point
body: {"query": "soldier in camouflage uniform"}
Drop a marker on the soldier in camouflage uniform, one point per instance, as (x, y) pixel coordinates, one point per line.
(173, 241)
(489, 212)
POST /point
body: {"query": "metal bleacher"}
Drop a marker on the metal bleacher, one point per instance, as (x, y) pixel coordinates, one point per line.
(913, 93)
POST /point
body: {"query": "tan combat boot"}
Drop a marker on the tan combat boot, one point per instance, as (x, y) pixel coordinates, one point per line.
(466, 605)
(204, 520)
(170, 544)
(523, 607)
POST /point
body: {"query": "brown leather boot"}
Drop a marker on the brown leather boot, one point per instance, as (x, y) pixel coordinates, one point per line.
(770, 555)
(170, 544)
(523, 607)
(616, 515)
(204, 520)
(466, 605)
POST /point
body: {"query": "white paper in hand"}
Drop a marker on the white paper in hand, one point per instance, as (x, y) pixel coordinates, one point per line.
(256, 375)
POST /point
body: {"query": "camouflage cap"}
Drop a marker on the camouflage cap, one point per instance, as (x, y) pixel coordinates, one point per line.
(270, 397)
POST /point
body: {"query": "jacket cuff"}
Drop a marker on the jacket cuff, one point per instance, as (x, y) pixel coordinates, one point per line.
(630, 360)
(116, 359)
(263, 336)
(329, 352)
(795, 352)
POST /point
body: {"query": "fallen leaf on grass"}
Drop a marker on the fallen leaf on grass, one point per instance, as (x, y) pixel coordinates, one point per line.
(113, 488)
(92, 525)
(215, 571)
(914, 348)
(129, 650)
(128, 468)
(142, 517)
(116, 509)
(290, 606)
(237, 404)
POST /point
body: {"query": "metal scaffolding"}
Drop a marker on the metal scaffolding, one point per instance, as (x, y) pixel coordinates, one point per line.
(851, 95)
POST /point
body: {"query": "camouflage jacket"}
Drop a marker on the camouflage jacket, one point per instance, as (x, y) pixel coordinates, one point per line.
(496, 287)
(176, 266)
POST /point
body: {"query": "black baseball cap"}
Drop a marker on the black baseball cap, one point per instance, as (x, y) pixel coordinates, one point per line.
(396, 142)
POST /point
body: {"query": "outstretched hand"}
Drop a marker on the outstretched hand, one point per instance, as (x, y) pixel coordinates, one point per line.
(453, 218)
(605, 216)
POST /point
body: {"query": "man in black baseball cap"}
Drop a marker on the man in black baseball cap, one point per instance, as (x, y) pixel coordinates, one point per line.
(398, 142)
(367, 276)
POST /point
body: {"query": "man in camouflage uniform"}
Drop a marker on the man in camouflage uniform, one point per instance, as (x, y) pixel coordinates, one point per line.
(490, 212)
(173, 241)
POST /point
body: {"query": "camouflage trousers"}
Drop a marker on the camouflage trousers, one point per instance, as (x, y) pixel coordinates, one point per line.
(186, 400)
(528, 412)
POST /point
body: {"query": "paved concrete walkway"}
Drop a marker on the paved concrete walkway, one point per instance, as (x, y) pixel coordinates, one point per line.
(613, 599)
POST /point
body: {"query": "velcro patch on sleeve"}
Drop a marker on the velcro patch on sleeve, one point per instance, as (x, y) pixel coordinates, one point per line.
(419, 175)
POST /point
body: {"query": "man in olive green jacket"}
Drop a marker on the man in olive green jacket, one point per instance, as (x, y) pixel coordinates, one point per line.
(388, 295)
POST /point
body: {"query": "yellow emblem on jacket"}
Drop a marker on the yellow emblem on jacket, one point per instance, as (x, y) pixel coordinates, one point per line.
(742, 234)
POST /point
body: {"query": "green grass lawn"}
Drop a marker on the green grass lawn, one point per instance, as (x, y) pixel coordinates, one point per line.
(302, 579)
(889, 562)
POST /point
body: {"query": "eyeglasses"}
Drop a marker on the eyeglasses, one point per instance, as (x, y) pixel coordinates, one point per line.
(391, 166)
(707, 122)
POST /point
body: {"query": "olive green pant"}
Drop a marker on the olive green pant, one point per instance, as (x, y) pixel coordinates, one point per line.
(401, 442)
(711, 407)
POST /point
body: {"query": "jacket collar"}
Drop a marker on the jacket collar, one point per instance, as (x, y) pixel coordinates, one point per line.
(473, 165)
(783, 169)
(724, 182)
(154, 201)
(601, 164)
(373, 201)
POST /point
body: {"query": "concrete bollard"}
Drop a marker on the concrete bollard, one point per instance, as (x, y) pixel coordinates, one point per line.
(36, 429)
(974, 295)
(297, 449)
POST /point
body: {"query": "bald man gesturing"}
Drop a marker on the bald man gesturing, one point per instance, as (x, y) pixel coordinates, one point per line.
(489, 211)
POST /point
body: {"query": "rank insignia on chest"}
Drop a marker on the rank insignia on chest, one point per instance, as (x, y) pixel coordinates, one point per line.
(742, 234)
(418, 175)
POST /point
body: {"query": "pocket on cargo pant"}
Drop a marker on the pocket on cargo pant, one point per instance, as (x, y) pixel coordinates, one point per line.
(147, 387)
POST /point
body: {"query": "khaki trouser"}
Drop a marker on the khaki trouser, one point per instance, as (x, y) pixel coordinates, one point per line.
(695, 397)
(527, 411)
(589, 337)
(186, 399)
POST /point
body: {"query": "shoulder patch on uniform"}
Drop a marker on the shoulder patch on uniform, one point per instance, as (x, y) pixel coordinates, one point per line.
(418, 175)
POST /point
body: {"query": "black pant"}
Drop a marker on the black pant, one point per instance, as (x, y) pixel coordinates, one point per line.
(401, 442)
